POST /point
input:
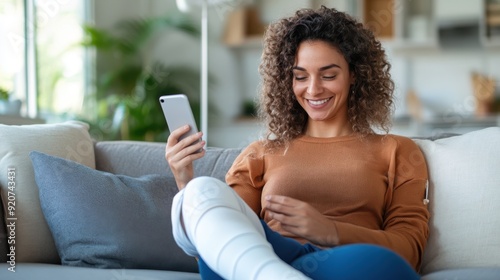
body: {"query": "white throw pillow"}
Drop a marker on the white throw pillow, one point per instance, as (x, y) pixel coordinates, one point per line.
(70, 140)
(464, 201)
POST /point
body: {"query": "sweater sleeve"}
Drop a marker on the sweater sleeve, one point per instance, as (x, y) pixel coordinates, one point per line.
(405, 226)
(246, 176)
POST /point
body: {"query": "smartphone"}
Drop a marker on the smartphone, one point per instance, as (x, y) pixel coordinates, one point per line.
(178, 113)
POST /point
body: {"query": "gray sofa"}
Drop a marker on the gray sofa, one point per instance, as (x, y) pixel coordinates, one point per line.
(472, 254)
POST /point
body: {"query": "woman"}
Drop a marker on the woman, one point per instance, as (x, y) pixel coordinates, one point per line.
(323, 196)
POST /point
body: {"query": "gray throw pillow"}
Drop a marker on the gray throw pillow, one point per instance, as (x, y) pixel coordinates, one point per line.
(99, 219)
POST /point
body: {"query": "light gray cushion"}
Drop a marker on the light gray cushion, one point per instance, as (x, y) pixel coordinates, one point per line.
(464, 193)
(99, 219)
(37, 271)
(69, 140)
(478, 273)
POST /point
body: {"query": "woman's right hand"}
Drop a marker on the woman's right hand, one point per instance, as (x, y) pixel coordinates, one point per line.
(181, 154)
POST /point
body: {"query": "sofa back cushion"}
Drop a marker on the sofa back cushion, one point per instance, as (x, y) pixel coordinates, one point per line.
(464, 201)
(133, 158)
(71, 140)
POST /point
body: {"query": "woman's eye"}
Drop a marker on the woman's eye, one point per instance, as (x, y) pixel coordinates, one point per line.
(300, 78)
(329, 77)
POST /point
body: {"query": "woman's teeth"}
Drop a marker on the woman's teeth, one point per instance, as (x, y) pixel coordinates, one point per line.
(318, 102)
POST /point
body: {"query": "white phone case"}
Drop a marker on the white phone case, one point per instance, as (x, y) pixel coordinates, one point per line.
(178, 113)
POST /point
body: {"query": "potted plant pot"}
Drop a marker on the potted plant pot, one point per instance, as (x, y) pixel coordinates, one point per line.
(10, 107)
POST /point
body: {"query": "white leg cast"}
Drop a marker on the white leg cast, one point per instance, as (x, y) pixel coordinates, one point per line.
(224, 231)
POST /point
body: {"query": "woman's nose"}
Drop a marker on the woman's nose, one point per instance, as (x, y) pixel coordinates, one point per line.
(314, 87)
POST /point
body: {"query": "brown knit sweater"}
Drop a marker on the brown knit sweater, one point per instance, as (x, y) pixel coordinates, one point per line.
(371, 188)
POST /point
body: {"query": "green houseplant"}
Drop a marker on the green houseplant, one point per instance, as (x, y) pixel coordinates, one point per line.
(127, 91)
(4, 94)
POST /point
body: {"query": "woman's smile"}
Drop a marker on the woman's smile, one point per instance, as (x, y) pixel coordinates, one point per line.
(318, 103)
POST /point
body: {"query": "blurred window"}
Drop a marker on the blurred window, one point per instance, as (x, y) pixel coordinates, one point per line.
(42, 61)
(12, 47)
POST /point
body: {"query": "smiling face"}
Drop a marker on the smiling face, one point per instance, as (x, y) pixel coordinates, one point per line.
(321, 83)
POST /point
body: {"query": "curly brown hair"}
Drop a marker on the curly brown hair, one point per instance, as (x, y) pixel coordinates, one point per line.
(370, 99)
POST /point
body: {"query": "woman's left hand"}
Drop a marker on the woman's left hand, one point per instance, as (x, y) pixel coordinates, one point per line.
(301, 219)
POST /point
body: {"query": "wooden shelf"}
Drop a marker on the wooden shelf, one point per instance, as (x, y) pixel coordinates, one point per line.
(493, 21)
(493, 14)
(378, 15)
(243, 26)
(493, 7)
(429, 25)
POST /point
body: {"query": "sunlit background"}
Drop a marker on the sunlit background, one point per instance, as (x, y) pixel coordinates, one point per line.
(40, 47)
(106, 62)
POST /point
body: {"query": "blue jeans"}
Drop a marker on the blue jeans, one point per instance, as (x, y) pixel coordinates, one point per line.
(356, 261)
